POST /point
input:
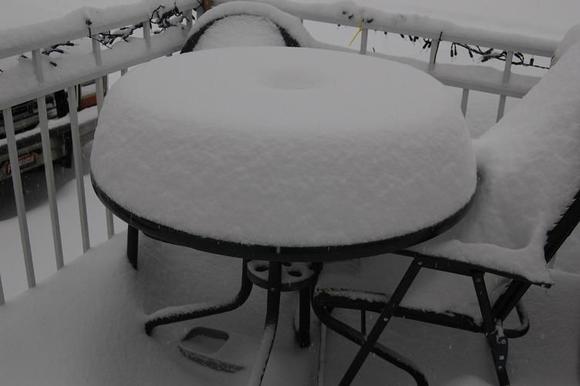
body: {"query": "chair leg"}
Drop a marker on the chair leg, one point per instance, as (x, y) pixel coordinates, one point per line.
(496, 339)
(324, 314)
(133, 246)
(498, 344)
(382, 321)
(303, 333)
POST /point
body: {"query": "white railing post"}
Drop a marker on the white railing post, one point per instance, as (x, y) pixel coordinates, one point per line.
(50, 185)
(19, 196)
(464, 99)
(97, 50)
(78, 165)
(506, 78)
(2, 298)
(364, 40)
(36, 61)
(100, 99)
(188, 18)
(147, 33)
(433, 52)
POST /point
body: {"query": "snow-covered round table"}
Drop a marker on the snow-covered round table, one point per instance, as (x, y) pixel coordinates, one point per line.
(283, 154)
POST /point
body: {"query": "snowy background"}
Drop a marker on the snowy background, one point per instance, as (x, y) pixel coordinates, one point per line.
(539, 17)
(553, 342)
(551, 20)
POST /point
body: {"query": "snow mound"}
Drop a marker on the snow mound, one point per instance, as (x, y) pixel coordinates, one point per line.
(529, 164)
(302, 147)
(84, 327)
(571, 38)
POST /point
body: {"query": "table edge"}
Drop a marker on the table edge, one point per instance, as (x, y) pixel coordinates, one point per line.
(279, 253)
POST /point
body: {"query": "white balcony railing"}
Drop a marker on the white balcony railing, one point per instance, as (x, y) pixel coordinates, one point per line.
(35, 78)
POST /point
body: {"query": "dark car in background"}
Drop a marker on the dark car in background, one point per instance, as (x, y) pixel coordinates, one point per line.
(28, 138)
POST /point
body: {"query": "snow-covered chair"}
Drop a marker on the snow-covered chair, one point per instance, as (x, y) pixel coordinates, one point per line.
(244, 23)
(527, 204)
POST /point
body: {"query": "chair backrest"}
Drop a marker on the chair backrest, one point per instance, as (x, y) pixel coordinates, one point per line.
(530, 166)
(244, 23)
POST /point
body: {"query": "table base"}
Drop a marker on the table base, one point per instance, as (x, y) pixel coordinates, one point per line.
(274, 285)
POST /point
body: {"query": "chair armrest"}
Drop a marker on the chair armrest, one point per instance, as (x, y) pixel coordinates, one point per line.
(464, 267)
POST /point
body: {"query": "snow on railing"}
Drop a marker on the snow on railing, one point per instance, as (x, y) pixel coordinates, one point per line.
(437, 31)
(36, 78)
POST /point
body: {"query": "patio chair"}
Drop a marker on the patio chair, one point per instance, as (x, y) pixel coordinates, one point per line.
(241, 24)
(474, 276)
(245, 24)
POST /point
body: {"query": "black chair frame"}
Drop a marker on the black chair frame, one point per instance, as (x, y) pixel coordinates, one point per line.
(493, 314)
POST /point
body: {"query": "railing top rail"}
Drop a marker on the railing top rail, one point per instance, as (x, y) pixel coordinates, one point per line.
(81, 23)
(89, 21)
(348, 13)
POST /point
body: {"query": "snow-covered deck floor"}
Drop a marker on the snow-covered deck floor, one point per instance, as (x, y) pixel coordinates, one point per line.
(84, 326)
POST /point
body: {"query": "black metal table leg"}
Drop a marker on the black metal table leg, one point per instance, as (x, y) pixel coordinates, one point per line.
(181, 313)
(303, 333)
(272, 313)
(133, 246)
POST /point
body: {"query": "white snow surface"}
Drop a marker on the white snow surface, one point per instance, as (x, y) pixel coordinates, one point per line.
(84, 326)
(248, 24)
(571, 38)
(529, 164)
(286, 147)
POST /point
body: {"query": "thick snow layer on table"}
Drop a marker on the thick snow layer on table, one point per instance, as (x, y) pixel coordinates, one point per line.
(288, 147)
(529, 164)
(248, 24)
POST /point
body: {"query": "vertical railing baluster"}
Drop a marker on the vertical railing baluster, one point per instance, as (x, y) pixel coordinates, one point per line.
(506, 78)
(188, 20)
(47, 160)
(433, 52)
(19, 196)
(36, 61)
(78, 165)
(364, 41)
(97, 50)
(464, 99)
(50, 185)
(2, 298)
(147, 33)
(100, 98)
